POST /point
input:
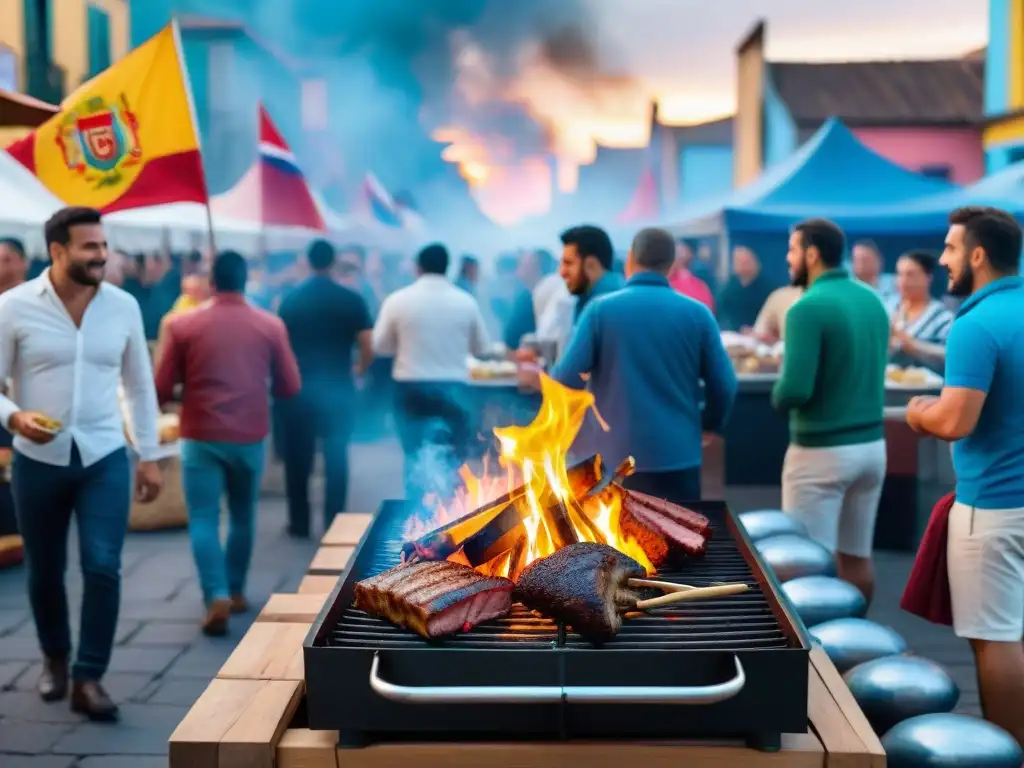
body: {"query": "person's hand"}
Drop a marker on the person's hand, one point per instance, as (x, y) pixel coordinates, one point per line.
(916, 408)
(706, 439)
(747, 330)
(901, 340)
(148, 481)
(526, 355)
(528, 376)
(28, 425)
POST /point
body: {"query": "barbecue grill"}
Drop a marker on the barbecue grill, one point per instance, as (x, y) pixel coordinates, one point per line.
(734, 667)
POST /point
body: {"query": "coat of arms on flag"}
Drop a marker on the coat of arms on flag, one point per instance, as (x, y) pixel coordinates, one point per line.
(100, 140)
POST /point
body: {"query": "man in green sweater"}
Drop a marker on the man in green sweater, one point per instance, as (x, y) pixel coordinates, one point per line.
(833, 385)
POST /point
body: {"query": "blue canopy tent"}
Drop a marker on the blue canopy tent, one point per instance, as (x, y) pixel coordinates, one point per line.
(833, 175)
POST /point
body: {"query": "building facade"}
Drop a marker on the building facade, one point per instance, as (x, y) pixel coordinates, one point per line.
(50, 47)
(1004, 84)
(923, 115)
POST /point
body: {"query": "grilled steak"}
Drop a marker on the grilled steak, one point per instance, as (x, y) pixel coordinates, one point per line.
(680, 538)
(434, 598)
(652, 541)
(687, 518)
(582, 585)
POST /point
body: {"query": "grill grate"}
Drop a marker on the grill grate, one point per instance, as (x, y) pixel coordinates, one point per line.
(736, 623)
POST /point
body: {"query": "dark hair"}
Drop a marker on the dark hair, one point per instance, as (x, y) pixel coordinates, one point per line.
(993, 230)
(654, 250)
(926, 260)
(433, 259)
(871, 245)
(827, 237)
(591, 241)
(195, 257)
(229, 273)
(320, 255)
(58, 228)
(15, 245)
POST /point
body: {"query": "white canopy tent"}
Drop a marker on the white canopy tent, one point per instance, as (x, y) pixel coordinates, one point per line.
(178, 226)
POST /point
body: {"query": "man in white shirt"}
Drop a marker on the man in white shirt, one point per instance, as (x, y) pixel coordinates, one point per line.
(68, 340)
(431, 328)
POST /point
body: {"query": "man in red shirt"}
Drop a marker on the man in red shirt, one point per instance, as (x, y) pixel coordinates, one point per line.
(224, 353)
(687, 283)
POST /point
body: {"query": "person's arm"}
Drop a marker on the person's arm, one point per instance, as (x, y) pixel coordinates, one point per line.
(287, 382)
(170, 367)
(364, 339)
(719, 377)
(8, 349)
(971, 359)
(576, 363)
(139, 387)
(766, 326)
(385, 334)
(479, 342)
(800, 363)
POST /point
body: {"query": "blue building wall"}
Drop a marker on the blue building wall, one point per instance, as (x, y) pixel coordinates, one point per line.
(998, 99)
(227, 92)
(780, 132)
(705, 172)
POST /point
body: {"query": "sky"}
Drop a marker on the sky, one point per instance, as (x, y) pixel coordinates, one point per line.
(691, 59)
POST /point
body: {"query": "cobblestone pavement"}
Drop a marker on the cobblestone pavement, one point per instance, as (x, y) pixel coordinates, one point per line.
(162, 663)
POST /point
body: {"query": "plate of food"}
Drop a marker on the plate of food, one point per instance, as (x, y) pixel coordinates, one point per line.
(911, 377)
(49, 424)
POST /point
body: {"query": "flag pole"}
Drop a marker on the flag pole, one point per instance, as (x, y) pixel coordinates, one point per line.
(190, 99)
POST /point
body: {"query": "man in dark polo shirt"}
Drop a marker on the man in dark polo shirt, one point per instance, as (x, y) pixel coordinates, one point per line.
(326, 322)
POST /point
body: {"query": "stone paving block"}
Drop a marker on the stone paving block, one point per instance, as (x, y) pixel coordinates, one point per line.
(25, 738)
(143, 730)
(177, 633)
(150, 660)
(127, 686)
(11, 619)
(201, 661)
(182, 691)
(27, 706)
(125, 629)
(163, 610)
(11, 671)
(121, 761)
(8, 760)
(20, 648)
(26, 681)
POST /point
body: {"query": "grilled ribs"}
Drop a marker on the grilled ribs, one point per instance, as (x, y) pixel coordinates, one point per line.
(582, 585)
(687, 518)
(434, 598)
(678, 537)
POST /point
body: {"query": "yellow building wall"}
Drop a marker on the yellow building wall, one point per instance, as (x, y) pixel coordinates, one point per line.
(71, 36)
(1007, 131)
(1015, 77)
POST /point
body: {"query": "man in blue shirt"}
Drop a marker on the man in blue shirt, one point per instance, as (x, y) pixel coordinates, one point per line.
(646, 350)
(981, 410)
(586, 267)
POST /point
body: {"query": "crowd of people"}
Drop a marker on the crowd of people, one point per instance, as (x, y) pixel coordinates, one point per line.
(642, 333)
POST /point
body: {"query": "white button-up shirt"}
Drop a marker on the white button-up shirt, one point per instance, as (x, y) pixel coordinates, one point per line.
(73, 374)
(430, 327)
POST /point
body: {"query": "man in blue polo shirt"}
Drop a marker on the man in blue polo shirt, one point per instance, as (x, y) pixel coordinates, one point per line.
(981, 410)
(646, 349)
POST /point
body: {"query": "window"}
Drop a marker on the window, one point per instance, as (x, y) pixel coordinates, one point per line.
(936, 171)
(99, 40)
(37, 29)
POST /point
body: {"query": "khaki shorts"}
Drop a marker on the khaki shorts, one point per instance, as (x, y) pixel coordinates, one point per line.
(985, 555)
(835, 493)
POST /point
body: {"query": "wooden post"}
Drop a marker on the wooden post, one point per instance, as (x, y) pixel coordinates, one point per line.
(269, 651)
(330, 561)
(195, 743)
(292, 609)
(347, 529)
(317, 585)
(251, 742)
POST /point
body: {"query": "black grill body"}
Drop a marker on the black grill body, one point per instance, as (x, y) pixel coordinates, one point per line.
(692, 644)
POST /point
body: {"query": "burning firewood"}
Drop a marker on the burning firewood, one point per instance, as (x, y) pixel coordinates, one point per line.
(443, 542)
(590, 586)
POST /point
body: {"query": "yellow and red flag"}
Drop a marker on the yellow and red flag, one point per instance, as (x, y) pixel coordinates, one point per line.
(125, 139)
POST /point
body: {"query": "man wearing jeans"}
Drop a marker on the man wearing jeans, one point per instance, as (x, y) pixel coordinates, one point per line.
(981, 411)
(68, 339)
(223, 354)
(833, 385)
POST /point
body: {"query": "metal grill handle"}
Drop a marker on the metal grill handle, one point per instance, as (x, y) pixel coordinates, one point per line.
(553, 694)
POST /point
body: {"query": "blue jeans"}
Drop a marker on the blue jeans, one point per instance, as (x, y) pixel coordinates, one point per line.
(100, 497)
(210, 471)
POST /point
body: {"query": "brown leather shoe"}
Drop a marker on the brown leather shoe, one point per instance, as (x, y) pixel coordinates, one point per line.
(88, 698)
(217, 615)
(239, 604)
(53, 680)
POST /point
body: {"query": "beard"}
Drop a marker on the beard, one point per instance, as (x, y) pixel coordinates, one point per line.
(800, 278)
(581, 288)
(963, 286)
(80, 273)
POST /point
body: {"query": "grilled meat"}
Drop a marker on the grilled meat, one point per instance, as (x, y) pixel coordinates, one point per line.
(687, 518)
(434, 598)
(582, 585)
(679, 538)
(652, 541)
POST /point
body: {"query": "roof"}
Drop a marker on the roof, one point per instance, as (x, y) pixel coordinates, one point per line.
(714, 132)
(942, 92)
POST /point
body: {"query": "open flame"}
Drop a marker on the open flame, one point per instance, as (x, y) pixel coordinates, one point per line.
(534, 457)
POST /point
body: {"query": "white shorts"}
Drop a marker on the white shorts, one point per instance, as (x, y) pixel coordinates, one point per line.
(835, 493)
(985, 558)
